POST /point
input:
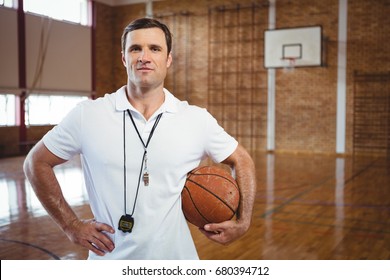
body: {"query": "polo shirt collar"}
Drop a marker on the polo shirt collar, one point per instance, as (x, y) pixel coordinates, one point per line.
(122, 104)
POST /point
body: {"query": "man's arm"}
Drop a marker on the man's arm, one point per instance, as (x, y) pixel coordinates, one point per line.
(229, 231)
(38, 168)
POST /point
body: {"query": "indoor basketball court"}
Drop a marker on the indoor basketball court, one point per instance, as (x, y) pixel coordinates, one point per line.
(304, 86)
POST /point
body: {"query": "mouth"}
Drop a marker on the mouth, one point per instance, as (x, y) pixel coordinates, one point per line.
(143, 68)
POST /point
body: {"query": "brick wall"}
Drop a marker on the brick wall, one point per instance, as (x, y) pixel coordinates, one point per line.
(306, 99)
(368, 54)
(105, 54)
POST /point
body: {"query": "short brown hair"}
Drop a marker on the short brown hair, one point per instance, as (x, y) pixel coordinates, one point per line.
(147, 23)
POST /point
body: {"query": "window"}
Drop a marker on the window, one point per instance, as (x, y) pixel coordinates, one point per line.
(6, 3)
(49, 109)
(68, 10)
(7, 110)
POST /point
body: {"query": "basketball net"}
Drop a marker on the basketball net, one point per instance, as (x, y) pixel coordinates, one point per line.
(288, 64)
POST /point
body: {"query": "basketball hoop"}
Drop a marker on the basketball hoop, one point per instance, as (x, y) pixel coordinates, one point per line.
(288, 64)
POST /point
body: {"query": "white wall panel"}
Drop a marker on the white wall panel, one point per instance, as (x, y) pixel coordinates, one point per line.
(9, 78)
(67, 60)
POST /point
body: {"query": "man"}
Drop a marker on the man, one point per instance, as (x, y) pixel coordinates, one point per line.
(136, 147)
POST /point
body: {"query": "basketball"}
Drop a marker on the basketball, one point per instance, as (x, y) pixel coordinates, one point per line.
(210, 195)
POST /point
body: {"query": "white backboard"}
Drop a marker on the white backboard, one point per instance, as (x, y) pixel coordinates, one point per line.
(302, 44)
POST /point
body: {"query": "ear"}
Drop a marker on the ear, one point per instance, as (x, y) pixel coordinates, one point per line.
(169, 60)
(123, 59)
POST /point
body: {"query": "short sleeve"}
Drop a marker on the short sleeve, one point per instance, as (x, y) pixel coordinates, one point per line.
(64, 140)
(219, 144)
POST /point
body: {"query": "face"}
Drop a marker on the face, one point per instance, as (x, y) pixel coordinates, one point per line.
(146, 58)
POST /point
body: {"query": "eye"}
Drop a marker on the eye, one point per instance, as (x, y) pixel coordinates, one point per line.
(134, 49)
(155, 49)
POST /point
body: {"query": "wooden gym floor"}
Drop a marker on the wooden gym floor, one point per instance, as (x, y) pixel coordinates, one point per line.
(307, 207)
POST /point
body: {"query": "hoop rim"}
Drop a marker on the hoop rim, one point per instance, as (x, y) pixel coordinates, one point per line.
(289, 63)
(288, 58)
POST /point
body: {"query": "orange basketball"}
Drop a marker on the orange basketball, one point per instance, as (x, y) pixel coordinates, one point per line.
(210, 195)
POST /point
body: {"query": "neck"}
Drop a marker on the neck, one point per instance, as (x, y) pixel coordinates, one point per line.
(145, 101)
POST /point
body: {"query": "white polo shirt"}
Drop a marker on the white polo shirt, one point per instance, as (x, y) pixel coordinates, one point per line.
(183, 137)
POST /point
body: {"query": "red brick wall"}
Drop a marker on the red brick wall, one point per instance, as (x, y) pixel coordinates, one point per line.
(368, 52)
(105, 56)
(306, 99)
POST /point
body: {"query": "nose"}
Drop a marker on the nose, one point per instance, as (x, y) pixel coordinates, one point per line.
(144, 56)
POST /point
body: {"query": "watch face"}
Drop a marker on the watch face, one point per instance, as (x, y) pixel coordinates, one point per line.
(126, 223)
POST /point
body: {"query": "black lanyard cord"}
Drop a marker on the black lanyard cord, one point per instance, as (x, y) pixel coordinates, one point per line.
(143, 157)
(124, 158)
(151, 133)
